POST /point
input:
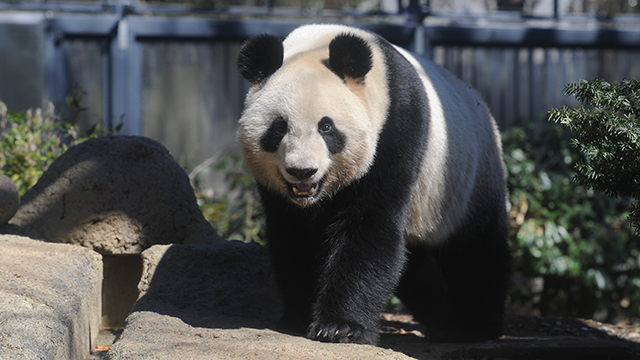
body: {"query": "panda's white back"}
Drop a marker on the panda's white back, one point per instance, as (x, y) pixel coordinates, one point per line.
(463, 153)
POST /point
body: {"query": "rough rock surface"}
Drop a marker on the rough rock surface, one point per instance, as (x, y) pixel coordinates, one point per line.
(49, 299)
(216, 302)
(116, 195)
(9, 199)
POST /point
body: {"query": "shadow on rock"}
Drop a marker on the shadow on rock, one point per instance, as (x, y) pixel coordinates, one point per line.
(227, 285)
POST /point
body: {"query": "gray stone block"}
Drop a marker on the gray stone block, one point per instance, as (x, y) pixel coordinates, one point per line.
(49, 299)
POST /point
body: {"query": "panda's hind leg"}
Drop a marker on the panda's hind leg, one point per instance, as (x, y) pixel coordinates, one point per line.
(421, 288)
(458, 290)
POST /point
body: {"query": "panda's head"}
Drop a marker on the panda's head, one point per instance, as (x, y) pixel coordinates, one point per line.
(313, 113)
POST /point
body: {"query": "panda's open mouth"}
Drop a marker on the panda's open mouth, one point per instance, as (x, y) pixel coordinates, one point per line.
(305, 190)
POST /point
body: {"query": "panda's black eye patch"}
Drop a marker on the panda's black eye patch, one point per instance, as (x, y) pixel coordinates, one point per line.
(271, 139)
(334, 138)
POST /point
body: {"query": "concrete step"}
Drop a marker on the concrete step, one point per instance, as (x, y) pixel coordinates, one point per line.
(49, 299)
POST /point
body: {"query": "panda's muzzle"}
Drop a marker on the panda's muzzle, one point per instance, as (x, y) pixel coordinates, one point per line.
(304, 188)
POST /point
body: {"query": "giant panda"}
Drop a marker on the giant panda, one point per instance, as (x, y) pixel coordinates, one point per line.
(378, 172)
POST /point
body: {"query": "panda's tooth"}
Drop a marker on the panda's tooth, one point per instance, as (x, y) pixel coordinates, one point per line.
(296, 191)
(311, 191)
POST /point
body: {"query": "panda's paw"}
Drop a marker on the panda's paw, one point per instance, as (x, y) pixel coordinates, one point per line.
(341, 333)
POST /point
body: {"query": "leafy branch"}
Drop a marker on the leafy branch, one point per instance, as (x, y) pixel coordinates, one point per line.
(607, 135)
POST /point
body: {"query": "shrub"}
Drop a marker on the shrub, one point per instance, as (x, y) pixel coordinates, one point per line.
(31, 141)
(575, 256)
(28, 144)
(607, 135)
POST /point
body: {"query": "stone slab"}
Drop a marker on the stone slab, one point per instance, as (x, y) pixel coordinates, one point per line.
(217, 302)
(49, 299)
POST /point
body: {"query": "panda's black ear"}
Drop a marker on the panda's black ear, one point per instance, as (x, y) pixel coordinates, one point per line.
(350, 56)
(260, 57)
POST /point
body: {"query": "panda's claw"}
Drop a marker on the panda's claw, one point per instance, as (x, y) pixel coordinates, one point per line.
(341, 333)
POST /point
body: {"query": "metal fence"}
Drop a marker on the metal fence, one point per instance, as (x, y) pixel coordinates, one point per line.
(173, 78)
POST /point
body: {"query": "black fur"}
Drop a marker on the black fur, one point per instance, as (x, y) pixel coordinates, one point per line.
(271, 140)
(458, 290)
(350, 57)
(260, 57)
(333, 137)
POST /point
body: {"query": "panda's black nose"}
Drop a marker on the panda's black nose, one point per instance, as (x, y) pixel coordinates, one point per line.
(301, 174)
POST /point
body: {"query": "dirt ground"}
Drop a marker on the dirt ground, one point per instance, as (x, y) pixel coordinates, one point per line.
(528, 326)
(526, 337)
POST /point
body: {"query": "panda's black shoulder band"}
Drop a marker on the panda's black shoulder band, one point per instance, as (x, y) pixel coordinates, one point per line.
(350, 56)
(260, 57)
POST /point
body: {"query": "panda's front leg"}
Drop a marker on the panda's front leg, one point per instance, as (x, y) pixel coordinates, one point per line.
(361, 268)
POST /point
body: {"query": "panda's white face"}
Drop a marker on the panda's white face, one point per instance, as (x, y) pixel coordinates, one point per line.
(313, 115)
(305, 132)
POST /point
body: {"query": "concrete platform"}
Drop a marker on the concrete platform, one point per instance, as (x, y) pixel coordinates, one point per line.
(49, 299)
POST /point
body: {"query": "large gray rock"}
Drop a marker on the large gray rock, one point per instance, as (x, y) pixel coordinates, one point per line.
(9, 199)
(116, 195)
(49, 299)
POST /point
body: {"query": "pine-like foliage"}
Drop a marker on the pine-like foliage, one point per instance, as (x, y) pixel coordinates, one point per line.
(607, 134)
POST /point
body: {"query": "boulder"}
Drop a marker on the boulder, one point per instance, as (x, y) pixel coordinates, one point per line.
(116, 195)
(9, 199)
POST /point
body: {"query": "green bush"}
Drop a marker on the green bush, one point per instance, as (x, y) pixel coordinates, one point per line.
(31, 141)
(575, 256)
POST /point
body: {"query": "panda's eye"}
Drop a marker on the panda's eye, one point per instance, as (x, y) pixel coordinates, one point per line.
(333, 137)
(325, 125)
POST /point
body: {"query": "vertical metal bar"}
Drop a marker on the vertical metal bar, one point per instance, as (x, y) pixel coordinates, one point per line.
(57, 72)
(556, 14)
(52, 65)
(134, 84)
(107, 83)
(126, 77)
